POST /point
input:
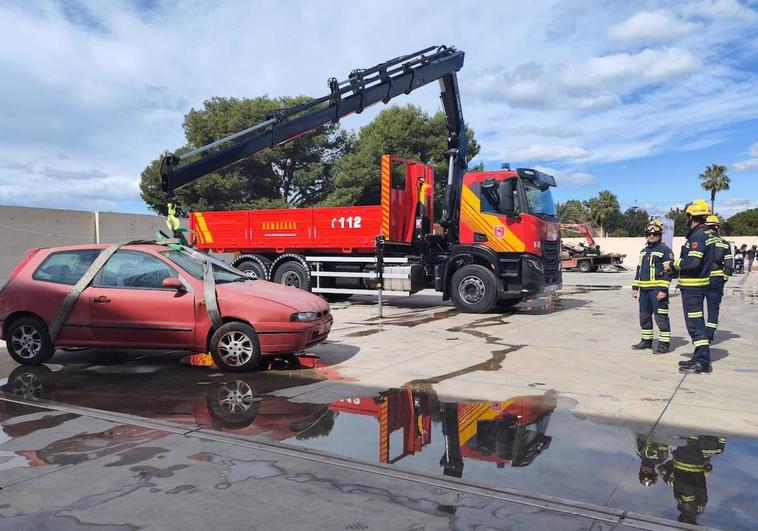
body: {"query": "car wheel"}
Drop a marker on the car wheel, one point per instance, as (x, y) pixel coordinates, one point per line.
(293, 274)
(31, 383)
(28, 341)
(235, 347)
(474, 289)
(234, 403)
(254, 267)
(585, 266)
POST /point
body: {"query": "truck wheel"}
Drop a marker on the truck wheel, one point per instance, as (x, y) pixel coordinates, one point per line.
(585, 266)
(474, 289)
(293, 274)
(258, 266)
(235, 347)
(28, 341)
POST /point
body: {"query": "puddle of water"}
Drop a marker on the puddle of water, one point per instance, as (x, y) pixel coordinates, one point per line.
(532, 442)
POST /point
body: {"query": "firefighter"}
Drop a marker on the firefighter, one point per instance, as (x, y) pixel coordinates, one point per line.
(651, 287)
(686, 473)
(651, 454)
(721, 270)
(694, 267)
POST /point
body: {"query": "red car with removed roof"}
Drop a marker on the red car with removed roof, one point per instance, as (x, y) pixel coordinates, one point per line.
(151, 296)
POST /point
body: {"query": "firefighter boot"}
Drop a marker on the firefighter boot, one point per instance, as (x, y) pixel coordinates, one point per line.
(643, 344)
(663, 348)
(696, 367)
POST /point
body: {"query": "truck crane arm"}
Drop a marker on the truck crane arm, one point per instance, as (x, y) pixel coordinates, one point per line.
(361, 89)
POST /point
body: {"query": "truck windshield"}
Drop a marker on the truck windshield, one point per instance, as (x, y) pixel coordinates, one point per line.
(539, 198)
(193, 265)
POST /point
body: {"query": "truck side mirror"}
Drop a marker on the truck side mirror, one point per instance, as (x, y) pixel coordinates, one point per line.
(507, 203)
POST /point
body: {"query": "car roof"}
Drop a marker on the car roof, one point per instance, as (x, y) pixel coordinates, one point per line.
(92, 246)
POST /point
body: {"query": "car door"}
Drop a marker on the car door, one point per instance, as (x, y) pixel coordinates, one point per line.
(51, 281)
(129, 306)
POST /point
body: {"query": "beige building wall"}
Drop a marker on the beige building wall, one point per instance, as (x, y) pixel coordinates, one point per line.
(23, 228)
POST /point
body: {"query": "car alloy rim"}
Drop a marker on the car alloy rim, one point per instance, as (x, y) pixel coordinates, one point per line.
(235, 397)
(26, 341)
(235, 349)
(471, 289)
(290, 278)
(27, 386)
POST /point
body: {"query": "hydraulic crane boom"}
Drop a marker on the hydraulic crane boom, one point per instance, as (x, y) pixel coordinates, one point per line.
(361, 89)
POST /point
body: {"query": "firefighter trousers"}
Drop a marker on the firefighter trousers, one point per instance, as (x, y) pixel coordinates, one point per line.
(713, 302)
(692, 303)
(649, 306)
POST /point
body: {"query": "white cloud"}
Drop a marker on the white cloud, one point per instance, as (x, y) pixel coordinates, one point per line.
(107, 86)
(750, 164)
(624, 71)
(651, 26)
(547, 152)
(568, 177)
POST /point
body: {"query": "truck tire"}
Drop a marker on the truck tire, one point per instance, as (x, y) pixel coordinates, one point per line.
(28, 341)
(474, 289)
(257, 265)
(585, 266)
(235, 347)
(293, 274)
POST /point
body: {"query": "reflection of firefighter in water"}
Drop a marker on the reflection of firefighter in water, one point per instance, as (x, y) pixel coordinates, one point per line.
(651, 454)
(509, 432)
(686, 473)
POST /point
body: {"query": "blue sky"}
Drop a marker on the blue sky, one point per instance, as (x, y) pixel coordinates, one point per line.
(634, 97)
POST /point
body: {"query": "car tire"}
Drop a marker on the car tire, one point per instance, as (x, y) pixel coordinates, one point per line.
(259, 267)
(31, 383)
(474, 289)
(293, 274)
(235, 347)
(233, 403)
(585, 266)
(28, 341)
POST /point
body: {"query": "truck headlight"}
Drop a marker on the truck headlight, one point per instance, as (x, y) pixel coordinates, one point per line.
(303, 316)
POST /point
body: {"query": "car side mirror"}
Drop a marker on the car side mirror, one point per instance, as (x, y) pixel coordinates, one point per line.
(507, 203)
(173, 283)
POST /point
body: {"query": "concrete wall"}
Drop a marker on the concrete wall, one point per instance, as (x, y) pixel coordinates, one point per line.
(22, 228)
(631, 246)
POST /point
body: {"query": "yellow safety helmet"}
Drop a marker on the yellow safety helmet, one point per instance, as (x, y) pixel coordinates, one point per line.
(654, 226)
(698, 208)
(712, 220)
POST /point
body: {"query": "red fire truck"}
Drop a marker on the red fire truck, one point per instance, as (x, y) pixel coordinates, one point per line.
(499, 240)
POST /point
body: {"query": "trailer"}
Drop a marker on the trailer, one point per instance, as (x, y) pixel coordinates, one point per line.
(587, 258)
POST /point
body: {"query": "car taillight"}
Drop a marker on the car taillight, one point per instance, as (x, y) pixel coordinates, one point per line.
(19, 267)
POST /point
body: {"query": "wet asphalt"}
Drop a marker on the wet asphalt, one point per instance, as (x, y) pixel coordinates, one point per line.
(533, 442)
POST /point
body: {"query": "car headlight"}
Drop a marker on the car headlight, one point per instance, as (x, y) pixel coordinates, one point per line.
(303, 316)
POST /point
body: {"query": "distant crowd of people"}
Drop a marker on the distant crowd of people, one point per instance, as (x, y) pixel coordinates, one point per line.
(744, 254)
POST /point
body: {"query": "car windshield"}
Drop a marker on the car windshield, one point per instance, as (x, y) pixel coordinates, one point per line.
(192, 262)
(539, 198)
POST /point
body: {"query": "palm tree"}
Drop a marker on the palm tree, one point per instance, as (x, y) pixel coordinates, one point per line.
(601, 208)
(714, 180)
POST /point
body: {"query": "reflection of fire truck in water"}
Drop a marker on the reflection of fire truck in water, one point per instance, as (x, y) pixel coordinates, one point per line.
(510, 432)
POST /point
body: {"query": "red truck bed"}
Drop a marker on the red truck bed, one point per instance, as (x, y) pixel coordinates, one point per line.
(328, 229)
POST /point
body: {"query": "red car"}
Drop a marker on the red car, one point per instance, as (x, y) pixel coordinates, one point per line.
(151, 296)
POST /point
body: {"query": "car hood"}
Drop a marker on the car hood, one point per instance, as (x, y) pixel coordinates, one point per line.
(297, 299)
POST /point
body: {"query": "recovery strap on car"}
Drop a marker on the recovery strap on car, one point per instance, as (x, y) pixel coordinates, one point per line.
(65, 307)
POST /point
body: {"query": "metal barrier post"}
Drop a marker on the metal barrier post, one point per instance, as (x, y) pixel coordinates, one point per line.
(380, 269)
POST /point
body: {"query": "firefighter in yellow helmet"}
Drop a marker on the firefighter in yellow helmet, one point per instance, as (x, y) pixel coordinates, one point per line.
(722, 269)
(694, 267)
(651, 288)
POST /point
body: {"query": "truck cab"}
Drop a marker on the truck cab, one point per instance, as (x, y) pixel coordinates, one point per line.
(508, 225)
